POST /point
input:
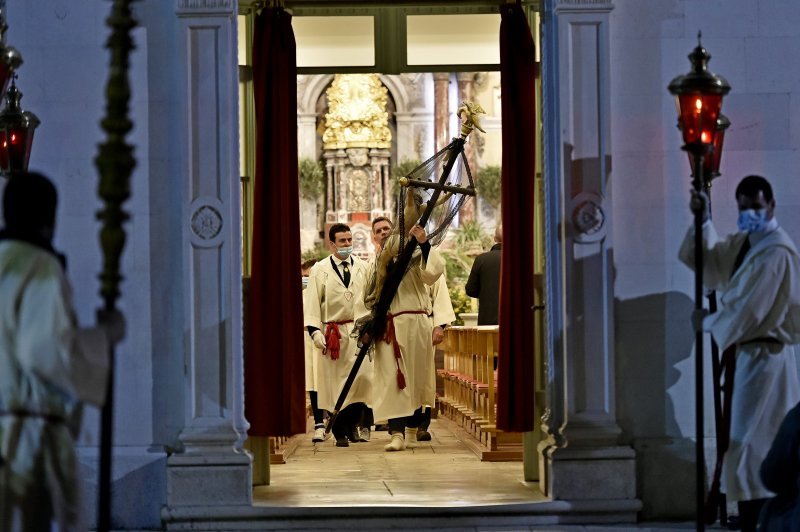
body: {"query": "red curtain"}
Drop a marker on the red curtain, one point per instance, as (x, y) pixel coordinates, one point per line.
(274, 391)
(515, 371)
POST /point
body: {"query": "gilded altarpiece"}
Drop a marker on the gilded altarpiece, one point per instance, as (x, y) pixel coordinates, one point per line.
(356, 148)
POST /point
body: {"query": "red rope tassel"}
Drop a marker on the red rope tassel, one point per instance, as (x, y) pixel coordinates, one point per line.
(391, 338)
(332, 343)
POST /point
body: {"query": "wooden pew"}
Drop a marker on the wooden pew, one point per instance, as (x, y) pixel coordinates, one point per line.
(470, 384)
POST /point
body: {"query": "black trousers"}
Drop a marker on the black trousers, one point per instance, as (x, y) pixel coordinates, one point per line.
(425, 423)
(319, 415)
(350, 417)
(748, 514)
(399, 424)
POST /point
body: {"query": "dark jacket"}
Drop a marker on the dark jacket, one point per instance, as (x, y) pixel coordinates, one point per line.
(484, 283)
(780, 472)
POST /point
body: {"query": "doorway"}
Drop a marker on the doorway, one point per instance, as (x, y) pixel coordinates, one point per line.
(414, 138)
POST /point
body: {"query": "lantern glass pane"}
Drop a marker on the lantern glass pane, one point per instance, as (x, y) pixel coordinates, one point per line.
(713, 159)
(27, 153)
(4, 166)
(698, 116)
(15, 149)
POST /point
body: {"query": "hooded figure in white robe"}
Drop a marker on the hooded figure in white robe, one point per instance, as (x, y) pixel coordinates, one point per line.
(410, 316)
(442, 315)
(760, 314)
(48, 366)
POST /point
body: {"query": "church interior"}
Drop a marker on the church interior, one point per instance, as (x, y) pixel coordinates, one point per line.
(358, 133)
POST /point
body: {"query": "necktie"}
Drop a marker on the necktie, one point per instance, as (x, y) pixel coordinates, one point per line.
(740, 257)
(345, 273)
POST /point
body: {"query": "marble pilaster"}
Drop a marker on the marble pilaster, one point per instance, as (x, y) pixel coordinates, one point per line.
(211, 469)
(582, 448)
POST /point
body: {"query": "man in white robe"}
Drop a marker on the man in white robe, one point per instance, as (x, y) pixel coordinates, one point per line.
(404, 378)
(48, 365)
(441, 316)
(760, 314)
(328, 303)
(310, 352)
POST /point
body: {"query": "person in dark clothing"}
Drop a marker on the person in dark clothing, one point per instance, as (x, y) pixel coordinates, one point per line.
(780, 472)
(484, 281)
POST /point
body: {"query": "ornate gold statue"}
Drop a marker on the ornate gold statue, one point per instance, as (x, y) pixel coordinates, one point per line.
(357, 116)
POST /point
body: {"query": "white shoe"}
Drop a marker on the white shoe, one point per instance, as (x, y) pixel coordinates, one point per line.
(319, 435)
(365, 433)
(411, 438)
(397, 443)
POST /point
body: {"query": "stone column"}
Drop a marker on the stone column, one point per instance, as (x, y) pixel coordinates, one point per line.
(382, 193)
(312, 210)
(441, 109)
(211, 471)
(581, 458)
(307, 135)
(465, 80)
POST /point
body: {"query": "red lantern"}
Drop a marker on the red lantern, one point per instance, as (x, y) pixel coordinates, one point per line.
(698, 95)
(16, 134)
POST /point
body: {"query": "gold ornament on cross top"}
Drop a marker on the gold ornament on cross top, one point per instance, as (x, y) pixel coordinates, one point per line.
(357, 116)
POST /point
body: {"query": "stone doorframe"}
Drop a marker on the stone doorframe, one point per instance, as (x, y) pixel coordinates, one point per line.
(580, 458)
(212, 476)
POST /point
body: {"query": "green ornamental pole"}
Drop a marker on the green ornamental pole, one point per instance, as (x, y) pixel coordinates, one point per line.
(115, 162)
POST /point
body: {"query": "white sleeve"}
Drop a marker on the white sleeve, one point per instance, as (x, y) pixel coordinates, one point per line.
(432, 268)
(51, 346)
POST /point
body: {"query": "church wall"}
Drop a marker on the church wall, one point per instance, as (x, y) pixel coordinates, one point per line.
(490, 152)
(63, 79)
(751, 44)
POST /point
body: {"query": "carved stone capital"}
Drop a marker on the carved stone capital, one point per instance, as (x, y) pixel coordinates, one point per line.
(204, 7)
(583, 5)
(415, 85)
(465, 77)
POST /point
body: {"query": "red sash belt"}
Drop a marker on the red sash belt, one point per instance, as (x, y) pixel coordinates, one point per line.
(391, 338)
(332, 336)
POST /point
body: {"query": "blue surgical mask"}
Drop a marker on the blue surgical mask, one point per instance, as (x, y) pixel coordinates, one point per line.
(753, 220)
(305, 282)
(344, 253)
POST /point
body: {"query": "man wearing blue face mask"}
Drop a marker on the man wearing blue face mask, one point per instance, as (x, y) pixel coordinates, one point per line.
(328, 303)
(757, 270)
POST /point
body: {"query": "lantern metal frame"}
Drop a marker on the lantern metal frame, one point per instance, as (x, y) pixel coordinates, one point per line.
(10, 58)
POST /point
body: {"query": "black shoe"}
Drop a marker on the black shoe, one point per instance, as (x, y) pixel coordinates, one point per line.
(382, 427)
(423, 435)
(342, 442)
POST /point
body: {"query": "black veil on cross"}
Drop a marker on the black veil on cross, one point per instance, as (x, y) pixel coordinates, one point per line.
(438, 188)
